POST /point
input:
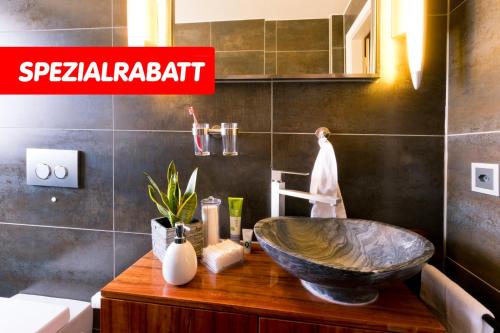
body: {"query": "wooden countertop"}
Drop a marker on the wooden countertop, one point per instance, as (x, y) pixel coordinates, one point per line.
(261, 287)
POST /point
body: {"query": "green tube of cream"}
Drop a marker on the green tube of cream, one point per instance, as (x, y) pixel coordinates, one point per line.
(235, 208)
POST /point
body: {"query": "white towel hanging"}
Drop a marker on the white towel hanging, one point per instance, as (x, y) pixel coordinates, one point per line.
(324, 180)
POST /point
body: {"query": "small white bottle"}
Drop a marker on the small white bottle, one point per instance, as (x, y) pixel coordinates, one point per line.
(180, 263)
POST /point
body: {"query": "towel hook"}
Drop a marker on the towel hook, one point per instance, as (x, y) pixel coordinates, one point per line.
(322, 132)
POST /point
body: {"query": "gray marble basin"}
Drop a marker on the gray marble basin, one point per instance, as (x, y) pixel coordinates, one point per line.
(343, 260)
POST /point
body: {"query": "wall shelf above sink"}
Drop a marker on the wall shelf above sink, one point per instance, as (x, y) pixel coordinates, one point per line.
(300, 77)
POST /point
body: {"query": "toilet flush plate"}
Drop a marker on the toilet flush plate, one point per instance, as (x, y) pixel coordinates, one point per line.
(52, 167)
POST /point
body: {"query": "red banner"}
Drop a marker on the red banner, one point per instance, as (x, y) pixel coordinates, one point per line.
(107, 70)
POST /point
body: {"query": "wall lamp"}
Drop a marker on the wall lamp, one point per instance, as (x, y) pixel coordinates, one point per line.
(408, 17)
(150, 22)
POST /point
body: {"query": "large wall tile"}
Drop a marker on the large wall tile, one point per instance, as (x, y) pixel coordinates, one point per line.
(398, 180)
(245, 103)
(303, 62)
(238, 35)
(63, 111)
(355, 108)
(90, 206)
(473, 218)
(337, 31)
(474, 75)
(270, 36)
(129, 248)
(54, 14)
(270, 59)
(87, 37)
(192, 34)
(54, 262)
(56, 111)
(247, 175)
(338, 60)
(313, 35)
(239, 63)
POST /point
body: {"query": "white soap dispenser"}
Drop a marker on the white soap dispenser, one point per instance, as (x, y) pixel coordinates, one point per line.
(180, 262)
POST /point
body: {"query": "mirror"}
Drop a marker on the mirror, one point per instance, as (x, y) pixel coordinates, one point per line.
(283, 38)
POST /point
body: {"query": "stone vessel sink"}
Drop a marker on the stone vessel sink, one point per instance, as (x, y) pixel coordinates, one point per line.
(343, 260)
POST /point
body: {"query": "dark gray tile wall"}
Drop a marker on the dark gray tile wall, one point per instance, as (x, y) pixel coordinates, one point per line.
(256, 47)
(388, 138)
(473, 219)
(338, 50)
(56, 262)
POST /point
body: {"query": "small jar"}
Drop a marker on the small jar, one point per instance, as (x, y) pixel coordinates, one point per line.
(210, 219)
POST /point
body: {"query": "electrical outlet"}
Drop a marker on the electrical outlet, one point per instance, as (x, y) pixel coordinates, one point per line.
(484, 178)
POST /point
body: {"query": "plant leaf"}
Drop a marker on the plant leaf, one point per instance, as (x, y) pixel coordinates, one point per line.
(179, 197)
(191, 186)
(173, 201)
(171, 170)
(186, 210)
(152, 182)
(161, 208)
(157, 189)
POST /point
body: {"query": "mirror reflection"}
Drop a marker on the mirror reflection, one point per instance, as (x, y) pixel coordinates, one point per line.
(283, 38)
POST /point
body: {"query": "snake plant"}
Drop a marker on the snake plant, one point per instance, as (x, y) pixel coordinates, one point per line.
(173, 204)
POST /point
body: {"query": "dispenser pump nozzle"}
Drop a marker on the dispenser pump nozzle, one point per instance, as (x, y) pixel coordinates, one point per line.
(180, 237)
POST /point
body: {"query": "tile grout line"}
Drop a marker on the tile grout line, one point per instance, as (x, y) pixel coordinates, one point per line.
(456, 7)
(364, 134)
(276, 47)
(264, 62)
(272, 125)
(73, 228)
(474, 275)
(330, 42)
(55, 227)
(473, 133)
(60, 129)
(236, 51)
(57, 29)
(445, 153)
(285, 80)
(113, 154)
(243, 132)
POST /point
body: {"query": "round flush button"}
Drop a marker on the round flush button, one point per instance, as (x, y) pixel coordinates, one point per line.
(42, 171)
(60, 172)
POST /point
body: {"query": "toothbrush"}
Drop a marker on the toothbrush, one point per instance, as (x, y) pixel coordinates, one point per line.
(197, 139)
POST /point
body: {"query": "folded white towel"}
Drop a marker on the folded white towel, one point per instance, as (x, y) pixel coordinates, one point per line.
(456, 309)
(324, 180)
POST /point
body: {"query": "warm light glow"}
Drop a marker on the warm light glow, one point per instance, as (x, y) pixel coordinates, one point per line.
(150, 22)
(136, 22)
(165, 22)
(415, 29)
(387, 47)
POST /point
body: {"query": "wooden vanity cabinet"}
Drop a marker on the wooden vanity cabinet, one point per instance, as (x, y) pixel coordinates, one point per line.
(256, 297)
(135, 317)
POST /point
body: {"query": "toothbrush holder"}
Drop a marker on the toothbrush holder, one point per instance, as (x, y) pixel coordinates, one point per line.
(201, 139)
(229, 133)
